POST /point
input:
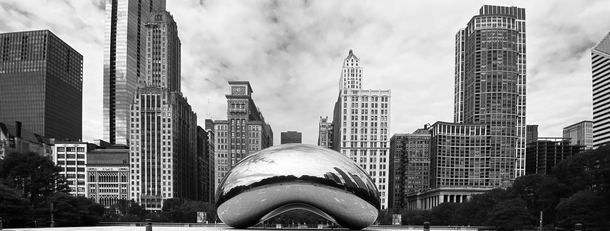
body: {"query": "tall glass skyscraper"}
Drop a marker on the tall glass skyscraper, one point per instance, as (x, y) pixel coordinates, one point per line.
(600, 61)
(124, 61)
(41, 84)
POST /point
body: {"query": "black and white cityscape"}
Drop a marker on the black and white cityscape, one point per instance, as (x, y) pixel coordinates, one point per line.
(425, 115)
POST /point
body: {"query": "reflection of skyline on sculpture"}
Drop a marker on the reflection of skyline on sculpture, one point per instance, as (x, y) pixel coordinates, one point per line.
(262, 166)
(297, 176)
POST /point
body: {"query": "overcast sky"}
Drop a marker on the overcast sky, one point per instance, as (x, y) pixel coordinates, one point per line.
(292, 54)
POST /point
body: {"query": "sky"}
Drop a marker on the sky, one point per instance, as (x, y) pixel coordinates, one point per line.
(292, 54)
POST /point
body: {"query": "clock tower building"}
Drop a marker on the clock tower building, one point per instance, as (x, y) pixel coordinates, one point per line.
(243, 133)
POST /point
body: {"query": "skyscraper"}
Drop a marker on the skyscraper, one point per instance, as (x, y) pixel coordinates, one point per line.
(361, 124)
(124, 61)
(243, 133)
(41, 84)
(290, 137)
(485, 146)
(600, 59)
(163, 126)
(490, 78)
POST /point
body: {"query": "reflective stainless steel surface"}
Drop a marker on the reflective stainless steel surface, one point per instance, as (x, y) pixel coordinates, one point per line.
(297, 176)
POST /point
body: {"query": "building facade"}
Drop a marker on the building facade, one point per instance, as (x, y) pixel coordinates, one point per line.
(125, 58)
(243, 133)
(531, 133)
(97, 171)
(580, 133)
(464, 160)
(546, 152)
(490, 78)
(71, 157)
(600, 59)
(107, 172)
(291, 137)
(13, 138)
(163, 147)
(361, 123)
(41, 84)
(205, 164)
(325, 133)
(409, 168)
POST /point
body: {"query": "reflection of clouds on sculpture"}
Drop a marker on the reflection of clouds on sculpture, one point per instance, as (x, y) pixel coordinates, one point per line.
(296, 176)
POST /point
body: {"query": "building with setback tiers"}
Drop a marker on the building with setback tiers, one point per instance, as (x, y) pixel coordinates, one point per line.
(485, 146)
(600, 61)
(163, 126)
(41, 84)
(243, 133)
(361, 124)
(124, 61)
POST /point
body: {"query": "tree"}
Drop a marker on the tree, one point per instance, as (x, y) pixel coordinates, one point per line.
(33, 175)
(125, 210)
(585, 207)
(442, 214)
(511, 215)
(414, 217)
(14, 209)
(540, 193)
(69, 211)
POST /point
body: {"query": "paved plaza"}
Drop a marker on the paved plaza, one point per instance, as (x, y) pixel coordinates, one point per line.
(224, 228)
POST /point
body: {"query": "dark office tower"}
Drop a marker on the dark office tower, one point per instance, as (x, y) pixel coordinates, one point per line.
(162, 52)
(124, 61)
(291, 137)
(546, 152)
(531, 134)
(600, 61)
(490, 79)
(41, 84)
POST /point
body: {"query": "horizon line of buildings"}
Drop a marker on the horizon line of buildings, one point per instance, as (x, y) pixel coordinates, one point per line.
(153, 145)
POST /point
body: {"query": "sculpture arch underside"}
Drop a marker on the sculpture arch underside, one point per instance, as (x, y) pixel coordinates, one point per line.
(288, 177)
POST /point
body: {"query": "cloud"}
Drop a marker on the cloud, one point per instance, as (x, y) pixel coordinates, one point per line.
(292, 52)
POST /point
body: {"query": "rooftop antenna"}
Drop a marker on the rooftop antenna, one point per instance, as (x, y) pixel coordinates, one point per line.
(209, 109)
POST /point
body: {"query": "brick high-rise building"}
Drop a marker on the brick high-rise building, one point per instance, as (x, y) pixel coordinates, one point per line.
(361, 122)
(243, 133)
(41, 84)
(600, 59)
(409, 168)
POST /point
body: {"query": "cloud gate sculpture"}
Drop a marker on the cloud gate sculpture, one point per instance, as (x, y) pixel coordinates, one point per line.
(297, 176)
